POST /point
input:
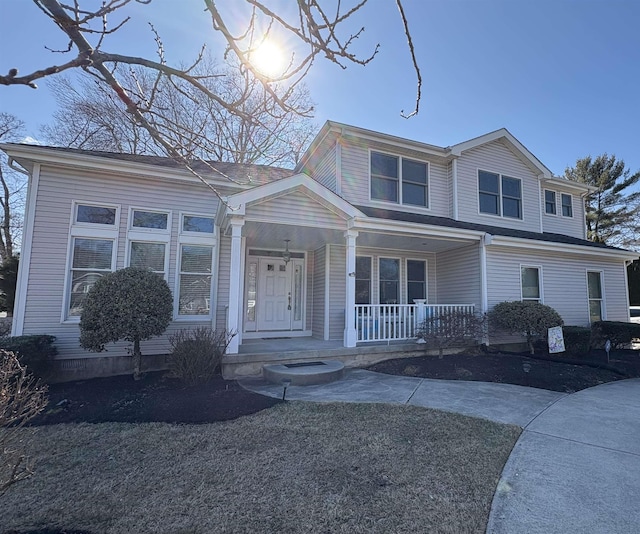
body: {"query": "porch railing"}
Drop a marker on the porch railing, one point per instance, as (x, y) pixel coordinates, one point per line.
(397, 322)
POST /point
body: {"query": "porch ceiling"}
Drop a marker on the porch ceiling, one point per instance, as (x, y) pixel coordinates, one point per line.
(409, 242)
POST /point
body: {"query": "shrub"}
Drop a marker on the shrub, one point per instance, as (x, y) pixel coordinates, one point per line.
(532, 319)
(36, 352)
(21, 399)
(130, 304)
(577, 340)
(451, 329)
(619, 333)
(196, 355)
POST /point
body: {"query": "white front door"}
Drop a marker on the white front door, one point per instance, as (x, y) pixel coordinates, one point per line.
(274, 300)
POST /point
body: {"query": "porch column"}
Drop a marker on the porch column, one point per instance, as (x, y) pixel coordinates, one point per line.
(235, 283)
(350, 334)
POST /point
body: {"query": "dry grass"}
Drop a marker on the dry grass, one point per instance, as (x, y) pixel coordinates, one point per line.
(298, 467)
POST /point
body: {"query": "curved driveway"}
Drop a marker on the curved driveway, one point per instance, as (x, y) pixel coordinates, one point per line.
(575, 468)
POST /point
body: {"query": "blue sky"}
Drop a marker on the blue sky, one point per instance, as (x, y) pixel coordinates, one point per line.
(561, 75)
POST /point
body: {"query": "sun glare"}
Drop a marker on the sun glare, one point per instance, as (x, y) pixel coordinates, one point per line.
(269, 59)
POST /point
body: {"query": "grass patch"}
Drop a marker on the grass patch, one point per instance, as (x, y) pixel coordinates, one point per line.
(298, 467)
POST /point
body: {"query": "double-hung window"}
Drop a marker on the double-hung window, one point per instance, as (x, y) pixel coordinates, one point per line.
(567, 205)
(399, 180)
(92, 251)
(148, 240)
(594, 289)
(550, 202)
(530, 283)
(499, 195)
(389, 273)
(195, 266)
(416, 280)
(363, 280)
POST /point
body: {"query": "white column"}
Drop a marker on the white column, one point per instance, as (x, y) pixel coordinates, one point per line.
(234, 323)
(350, 334)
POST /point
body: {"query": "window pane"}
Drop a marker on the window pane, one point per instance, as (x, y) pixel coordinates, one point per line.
(595, 287)
(149, 219)
(389, 292)
(384, 189)
(389, 269)
(363, 292)
(416, 270)
(95, 215)
(191, 223)
(414, 194)
(363, 267)
(147, 256)
(252, 278)
(415, 290)
(567, 207)
(488, 182)
(196, 259)
(510, 187)
(530, 283)
(81, 283)
(489, 204)
(195, 294)
(384, 165)
(414, 171)
(511, 207)
(92, 253)
(550, 202)
(595, 310)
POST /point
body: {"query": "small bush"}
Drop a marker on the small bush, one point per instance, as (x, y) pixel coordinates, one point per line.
(36, 352)
(619, 333)
(21, 399)
(532, 319)
(196, 355)
(451, 329)
(577, 340)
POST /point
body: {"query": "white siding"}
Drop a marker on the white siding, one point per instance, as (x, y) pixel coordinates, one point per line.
(317, 292)
(496, 157)
(224, 281)
(57, 191)
(295, 208)
(311, 273)
(557, 224)
(325, 172)
(564, 282)
(355, 177)
(458, 276)
(337, 291)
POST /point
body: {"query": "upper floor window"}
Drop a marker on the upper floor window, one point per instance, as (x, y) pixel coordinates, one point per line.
(550, 202)
(95, 214)
(499, 195)
(399, 180)
(567, 205)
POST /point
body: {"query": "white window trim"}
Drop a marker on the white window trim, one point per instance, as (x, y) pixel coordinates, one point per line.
(544, 203)
(426, 277)
(202, 239)
(89, 231)
(400, 182)
(500, 215)
(603, 307)
(135, 229)
(540, 282)
(562, 205)
(196, 234)
(400, 273)
(149, 235)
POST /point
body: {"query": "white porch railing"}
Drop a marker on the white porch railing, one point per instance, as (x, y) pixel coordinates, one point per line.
(396, 322)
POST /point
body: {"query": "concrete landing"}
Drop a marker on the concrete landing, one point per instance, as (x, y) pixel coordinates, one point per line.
(304, 373)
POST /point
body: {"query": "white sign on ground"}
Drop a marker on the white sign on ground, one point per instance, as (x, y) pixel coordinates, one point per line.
(556, 340)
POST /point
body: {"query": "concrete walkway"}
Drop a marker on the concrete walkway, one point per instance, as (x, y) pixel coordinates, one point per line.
(575, 468)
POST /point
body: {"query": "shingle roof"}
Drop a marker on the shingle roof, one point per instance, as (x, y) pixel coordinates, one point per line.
(259, 174)
(380, 213)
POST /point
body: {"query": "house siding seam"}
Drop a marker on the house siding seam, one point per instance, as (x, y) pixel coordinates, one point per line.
(498, 158)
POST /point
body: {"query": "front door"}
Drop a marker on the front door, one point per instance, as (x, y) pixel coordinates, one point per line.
(274, 294)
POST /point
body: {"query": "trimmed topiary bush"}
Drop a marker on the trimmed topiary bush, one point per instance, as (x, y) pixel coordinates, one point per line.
(196, 354)
(36, 352)
(531, 319)
(619, 333)
(130, 304)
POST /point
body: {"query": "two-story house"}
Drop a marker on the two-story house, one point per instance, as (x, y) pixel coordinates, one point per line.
(365, 236)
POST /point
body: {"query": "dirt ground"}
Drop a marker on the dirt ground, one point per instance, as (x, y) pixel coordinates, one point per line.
(542, 371)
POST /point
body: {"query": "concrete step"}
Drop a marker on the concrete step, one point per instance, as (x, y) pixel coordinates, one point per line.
(304, 373)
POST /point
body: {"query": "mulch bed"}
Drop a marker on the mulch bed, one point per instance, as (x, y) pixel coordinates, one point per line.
(544, 371)
(154, 398)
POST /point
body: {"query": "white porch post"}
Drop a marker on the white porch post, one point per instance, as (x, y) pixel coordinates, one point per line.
(350, 334)
(235, 283)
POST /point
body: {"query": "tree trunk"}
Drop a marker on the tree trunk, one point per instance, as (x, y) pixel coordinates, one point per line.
(137, 360)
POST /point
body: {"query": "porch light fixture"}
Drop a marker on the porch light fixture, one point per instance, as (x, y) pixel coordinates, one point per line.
(286, 255)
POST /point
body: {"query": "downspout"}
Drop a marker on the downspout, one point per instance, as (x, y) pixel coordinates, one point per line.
(454, 185)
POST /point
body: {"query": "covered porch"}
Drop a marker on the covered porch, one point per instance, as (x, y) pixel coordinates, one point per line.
(310, 272)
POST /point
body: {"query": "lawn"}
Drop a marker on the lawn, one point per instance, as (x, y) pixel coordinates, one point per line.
(294, 467)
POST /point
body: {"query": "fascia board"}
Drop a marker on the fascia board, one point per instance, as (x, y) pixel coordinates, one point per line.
(550, 246)
(45, 156)
(568, 184)
(424, 230)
